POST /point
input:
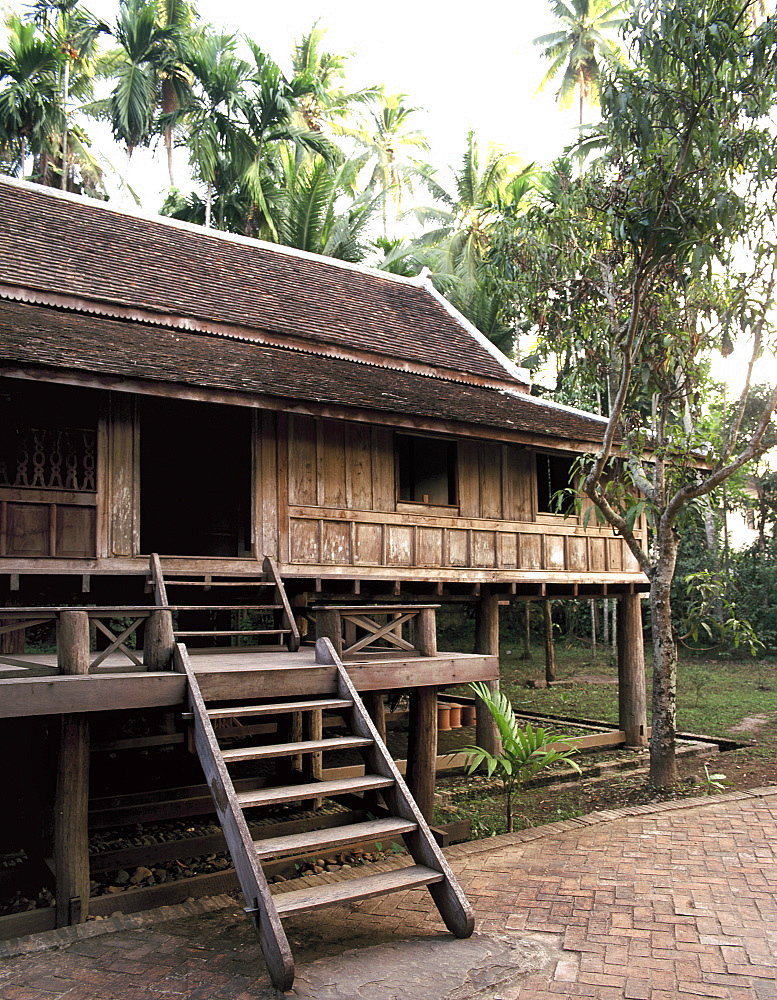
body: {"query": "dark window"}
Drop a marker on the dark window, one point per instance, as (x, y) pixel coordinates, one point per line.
(426, 470)
(554, 473)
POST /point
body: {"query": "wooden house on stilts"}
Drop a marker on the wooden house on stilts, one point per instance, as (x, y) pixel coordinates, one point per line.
(214, 452)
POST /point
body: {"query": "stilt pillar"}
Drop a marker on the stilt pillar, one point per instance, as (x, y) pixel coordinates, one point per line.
(632, 701)
(422, 748)
(487, 642)
(376, 706)
(71, 808)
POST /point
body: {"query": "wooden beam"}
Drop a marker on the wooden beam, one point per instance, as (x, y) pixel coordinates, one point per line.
(26, 696)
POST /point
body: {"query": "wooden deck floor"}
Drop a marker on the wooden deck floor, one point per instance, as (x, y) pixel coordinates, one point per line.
(31, 685)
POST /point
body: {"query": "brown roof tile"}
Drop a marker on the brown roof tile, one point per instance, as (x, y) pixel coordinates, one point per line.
(34, 335)
(67, 246)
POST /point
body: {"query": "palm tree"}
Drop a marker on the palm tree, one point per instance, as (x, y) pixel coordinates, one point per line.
(387, 137)
(489, 188)
(579, 45)
(324, 100)
(30, 112)
(75, 31)
(143, 44)
(214, 120)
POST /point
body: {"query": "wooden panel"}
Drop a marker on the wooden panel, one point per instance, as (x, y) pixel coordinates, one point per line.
(530, 551)
(614, 554)
(304, 541)
(75, 532)
(507, 549)
(596, 555)
(518, 474)
(267, 486)
(429, 547)
(469, 478)
(399, 545)
(554, 552)
(123, 514)
(630, 563)
(368, 541)
(576, 553)
(331, 463)
(490, 480)
(358, 466)
(457, 548)
(28, 529)
(484, 548)
(383, 472)
(302, 460)
(336, 542)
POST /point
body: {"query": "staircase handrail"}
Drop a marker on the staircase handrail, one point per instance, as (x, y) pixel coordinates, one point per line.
(271, 572)
(453, 905)
(253, 883)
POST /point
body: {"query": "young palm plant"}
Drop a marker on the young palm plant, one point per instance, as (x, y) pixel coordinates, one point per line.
(526, 750)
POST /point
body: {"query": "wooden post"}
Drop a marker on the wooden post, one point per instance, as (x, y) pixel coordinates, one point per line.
(550, 649)
(328, 627)
(376, 706)
(487, 642)
(158, 641)
(426, 632)
(632, 702)
(526, 654)
(71, 808)
(422, 748)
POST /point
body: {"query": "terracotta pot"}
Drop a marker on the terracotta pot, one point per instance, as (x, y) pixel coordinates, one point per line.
(455, 716)
(468, 715)
(443, 717)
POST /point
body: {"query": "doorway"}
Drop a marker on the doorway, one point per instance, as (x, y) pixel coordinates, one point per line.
(195, 479)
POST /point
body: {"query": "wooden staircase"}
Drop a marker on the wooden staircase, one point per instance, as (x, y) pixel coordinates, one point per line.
(267, 623)
(382, 783)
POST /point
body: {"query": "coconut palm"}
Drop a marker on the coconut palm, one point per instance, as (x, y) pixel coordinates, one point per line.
(324, 101)
(577, 48)
(386, 134)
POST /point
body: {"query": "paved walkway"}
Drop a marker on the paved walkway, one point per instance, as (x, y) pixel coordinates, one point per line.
(653, 903)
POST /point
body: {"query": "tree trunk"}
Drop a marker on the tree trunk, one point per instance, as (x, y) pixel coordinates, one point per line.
(663, 763)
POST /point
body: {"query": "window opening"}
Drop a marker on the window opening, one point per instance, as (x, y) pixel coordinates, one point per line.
(426, 470)
(554, 474)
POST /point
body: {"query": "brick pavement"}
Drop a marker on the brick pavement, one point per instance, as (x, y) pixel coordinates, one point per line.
(654, 903)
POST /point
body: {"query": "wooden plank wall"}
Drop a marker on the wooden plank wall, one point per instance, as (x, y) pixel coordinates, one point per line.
(343, 511)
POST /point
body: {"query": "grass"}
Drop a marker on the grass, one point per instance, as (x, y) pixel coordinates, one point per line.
(714, 696)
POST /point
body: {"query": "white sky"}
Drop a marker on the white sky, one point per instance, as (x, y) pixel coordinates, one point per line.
(467, 66)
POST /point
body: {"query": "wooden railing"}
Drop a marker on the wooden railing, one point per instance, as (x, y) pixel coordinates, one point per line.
(74, 628)
(341, 625)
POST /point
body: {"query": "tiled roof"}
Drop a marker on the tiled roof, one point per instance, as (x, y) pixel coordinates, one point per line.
(66, 246)
(32, 335)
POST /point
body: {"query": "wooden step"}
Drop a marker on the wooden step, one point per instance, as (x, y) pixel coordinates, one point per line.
(299, 900)
(312, 790)
(217, 583)
(280, 708)
(238, 631)
(291, 749)
(226, 607)
(338, 836)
